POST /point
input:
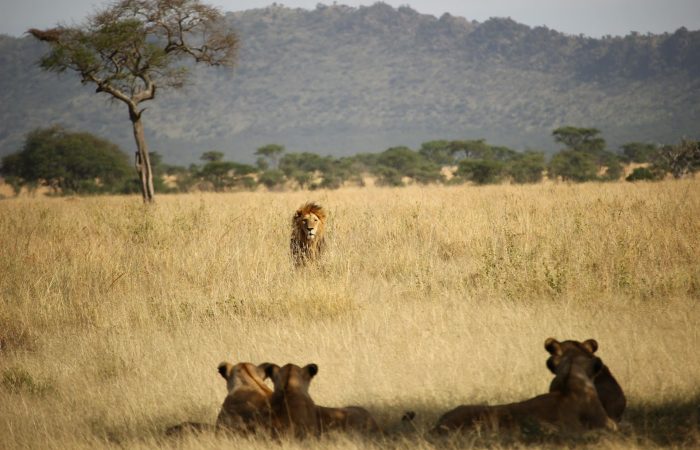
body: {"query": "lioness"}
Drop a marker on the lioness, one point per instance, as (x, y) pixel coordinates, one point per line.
(348, 418)
(308, 229)
(292, 409)
(609, 391)
(246, 408)
(572, 408)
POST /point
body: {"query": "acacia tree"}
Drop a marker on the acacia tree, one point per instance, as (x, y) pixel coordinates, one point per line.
(580, 139)
(271, 152)
(133, 47)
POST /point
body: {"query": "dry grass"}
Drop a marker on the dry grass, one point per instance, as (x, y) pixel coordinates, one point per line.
(113, 316)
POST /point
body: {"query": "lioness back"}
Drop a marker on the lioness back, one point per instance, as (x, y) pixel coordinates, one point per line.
(609, 391)
(348, 418)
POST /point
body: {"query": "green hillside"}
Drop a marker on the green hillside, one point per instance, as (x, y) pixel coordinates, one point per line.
(340, 80)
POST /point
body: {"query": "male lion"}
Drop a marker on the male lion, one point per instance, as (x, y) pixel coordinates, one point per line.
(609, 391)
(574, 407)
(308, 228)
(246, 408)
(292, 409)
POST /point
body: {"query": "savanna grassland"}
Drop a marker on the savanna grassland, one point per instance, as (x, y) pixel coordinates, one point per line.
(114, 316)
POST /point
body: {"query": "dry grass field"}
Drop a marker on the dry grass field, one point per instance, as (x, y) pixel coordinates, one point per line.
(114, 316)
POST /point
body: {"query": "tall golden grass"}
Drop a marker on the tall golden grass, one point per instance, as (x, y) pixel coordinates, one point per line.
(114, 316)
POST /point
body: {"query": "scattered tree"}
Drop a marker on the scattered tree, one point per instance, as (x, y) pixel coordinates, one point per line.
(212, 156)
(438, 152)
(67, 162)
(527, 167)
(272, 179)
(638, 152)
(481, 171)
(271, 152)
(475, 149)
(133, 47)
(583, 146)
(397, 162)
(580, 139)
(680, 159)
(573, 165)
(642, 174)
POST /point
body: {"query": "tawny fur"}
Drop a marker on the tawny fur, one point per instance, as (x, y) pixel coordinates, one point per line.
(308, 233)
(348, 418)
(246, 408)
(575, 407)
(293, 412)
(609, 391)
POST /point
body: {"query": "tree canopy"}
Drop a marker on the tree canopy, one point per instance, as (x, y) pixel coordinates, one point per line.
(132, 47)
(68, 162)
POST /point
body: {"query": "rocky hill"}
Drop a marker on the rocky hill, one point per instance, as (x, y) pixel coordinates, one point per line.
(340, 80)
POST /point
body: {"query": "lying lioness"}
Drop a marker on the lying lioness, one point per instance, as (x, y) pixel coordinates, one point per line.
(574, 407)
(246, 407)
(348, 418)
(609, 391)
(292, 409)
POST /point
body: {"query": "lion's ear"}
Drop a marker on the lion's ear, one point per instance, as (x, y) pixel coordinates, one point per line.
(271, 370)
(591, 345)
(552, 346)
(225, 369)
(262, 370)
(311, 369)
(298, 213)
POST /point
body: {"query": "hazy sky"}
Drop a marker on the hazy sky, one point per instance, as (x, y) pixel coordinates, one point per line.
(590, 17)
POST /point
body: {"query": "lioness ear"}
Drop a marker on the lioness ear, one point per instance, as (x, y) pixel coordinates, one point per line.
(262, 370)
(591, 345)
(311, 369)
(552, 346)
(225, 369)
(270, 370)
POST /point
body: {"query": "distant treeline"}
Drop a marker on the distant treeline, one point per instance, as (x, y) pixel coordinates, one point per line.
(81, 163)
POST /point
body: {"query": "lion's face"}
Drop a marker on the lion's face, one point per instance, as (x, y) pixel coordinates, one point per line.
(308, 224)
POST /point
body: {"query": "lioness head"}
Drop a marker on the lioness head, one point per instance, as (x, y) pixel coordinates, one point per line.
(609, 391)
(558, 350)
(579, 370)
(309, 221)
(291, 377)
(244, 374)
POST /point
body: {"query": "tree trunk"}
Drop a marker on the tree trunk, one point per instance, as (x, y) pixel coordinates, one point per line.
(143, 161)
